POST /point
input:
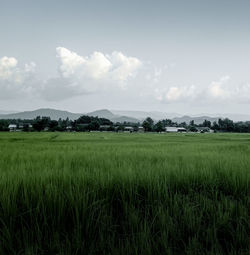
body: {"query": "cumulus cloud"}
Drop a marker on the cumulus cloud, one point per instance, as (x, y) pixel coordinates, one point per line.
(97, 67)
(175, 94)
(220, 91)
(14, 80)
(90, 74)
(216, 89)
(111, 73)
(77, 75)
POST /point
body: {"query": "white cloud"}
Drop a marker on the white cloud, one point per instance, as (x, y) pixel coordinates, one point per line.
(216, 89)
(175, 94)
(107, 74)
(97, 67)
(7, 67)
(70, 61)
(123, 67)
(77, 75)
(219, 92)
(14, 80)
(90, 74)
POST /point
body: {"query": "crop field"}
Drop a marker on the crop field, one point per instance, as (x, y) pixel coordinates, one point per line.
(118, 193)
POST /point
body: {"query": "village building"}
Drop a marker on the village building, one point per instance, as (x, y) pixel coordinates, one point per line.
(12, 127)
(175, 129)
(69, 128)
(204, 130)
(181, 129)
(140, 129)
(128, 129)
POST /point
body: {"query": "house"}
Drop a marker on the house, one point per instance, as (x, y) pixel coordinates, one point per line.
(69, 128)
(181, 130)
(171, 129)
(140, 129)
(175, 129)
(12, 127)
(204, 130)
(128, 129)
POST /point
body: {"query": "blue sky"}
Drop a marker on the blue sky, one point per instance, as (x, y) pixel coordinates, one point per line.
(185, 56)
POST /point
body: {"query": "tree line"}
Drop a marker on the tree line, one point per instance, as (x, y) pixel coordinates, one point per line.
(222, 125)
(84, 123)
(89, 123)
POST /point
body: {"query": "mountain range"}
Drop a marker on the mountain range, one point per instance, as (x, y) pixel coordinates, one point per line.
(120, 116)
(57, 114)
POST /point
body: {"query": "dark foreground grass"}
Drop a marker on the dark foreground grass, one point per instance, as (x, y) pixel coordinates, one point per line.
(101, 193)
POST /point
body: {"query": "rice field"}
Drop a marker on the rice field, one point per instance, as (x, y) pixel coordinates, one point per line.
(117, 193)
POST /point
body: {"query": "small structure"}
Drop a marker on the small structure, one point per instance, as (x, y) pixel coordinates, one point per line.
(140, 129)
(175, 129)
(128, 129)
(69, 128)
(181, 130)
(12, 127)
(204, 130)
(171, 129)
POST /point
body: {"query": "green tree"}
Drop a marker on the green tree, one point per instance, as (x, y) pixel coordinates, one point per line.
(206, 123)
(148, 124)
(191, 123)
(159, 126)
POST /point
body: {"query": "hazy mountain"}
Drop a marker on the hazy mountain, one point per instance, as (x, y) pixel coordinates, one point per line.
(232, 116)
(237, 117)
(122, 119)
(121, 116)
(52, 113)
(102, 114)
(197, 120)
(141, 115)
(7, 112)
(113, 117)
(57, 114)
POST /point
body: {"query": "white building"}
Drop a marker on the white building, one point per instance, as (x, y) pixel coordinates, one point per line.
(204, 130)
(175, 129)
(12, 127)
(140, 129)
(128, 129)
(171, 129)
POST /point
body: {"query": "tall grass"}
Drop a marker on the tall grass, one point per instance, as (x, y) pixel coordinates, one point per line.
(106, 193)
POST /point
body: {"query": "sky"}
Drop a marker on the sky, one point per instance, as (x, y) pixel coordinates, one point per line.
(184, 56)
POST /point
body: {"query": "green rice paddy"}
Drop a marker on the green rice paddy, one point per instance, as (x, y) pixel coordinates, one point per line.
(117, 193)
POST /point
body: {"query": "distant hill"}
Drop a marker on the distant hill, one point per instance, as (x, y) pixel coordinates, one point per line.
(142, 115)
(102, 114)
(197, 120)
(52, 113)
(122, 119)
(7, 112)
(111, 116)
(57, 114)
(120, 116)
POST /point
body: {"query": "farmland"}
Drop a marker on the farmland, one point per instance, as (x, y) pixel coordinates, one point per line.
(118, 193)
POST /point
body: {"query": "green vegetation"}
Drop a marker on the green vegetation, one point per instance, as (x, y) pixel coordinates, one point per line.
(87, 123)
(117, 193)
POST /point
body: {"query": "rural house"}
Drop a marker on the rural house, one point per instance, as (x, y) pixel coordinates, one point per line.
(128, 129)
(12, 127)
(175, 129)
